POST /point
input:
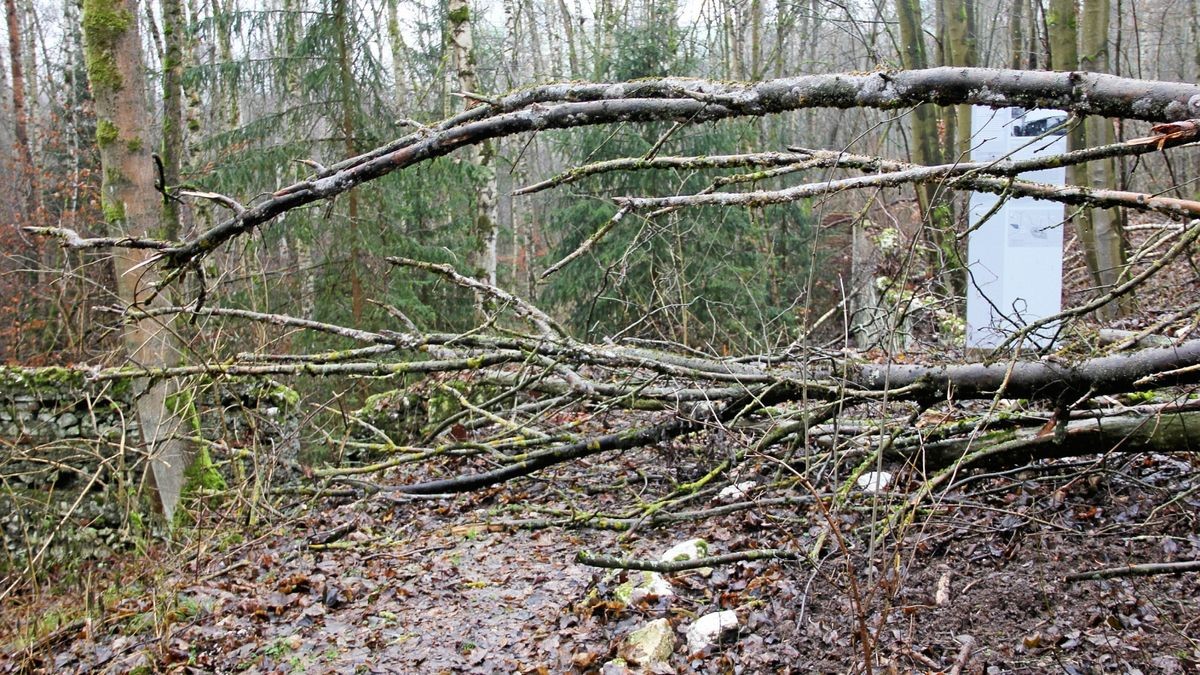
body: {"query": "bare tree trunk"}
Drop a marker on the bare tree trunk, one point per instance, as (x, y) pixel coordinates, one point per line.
(15, 55)
(482, 155)
(535, 41)
(346, 86)
(131, 207)
(960, 29)
(568, 23)
(1098, 229)
(223, 20)
(172, 148)
(756, 70)
(926, 150)
(399, 52)
(1016, 35)
(1108, 241)
(25, 182)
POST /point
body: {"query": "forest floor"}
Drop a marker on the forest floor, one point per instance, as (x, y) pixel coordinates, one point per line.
(380, 584)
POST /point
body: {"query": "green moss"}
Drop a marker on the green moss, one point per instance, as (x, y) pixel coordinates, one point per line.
(134, 144)
(377, 402)
(183, 404)
(200, 477)
(285, 396)
(114, 211)
(442, 404)
(50, 377)
(106, 133)
(119, 389)
(105, 22)
(459, 15)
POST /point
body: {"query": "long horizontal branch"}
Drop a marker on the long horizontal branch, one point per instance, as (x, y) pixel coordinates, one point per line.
(687, 100)
(1052, 380)
(973, 175)
(1044, 379)
(1162, 432)
(72, 240)
(1143, 570)
(803, 158)
(672, 566)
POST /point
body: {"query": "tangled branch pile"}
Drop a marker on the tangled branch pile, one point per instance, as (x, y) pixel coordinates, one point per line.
(855, 410)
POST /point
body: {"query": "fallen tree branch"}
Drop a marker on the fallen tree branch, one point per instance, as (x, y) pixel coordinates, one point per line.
(672, 566)
(547, 326)
(1057, 381)
(69, 238)
(805, 158)
(1165, 432)
(569, 105)
(1144, 570)
(968, 175)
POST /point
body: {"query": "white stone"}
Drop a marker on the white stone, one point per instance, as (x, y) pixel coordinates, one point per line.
(642, 586)
(874, 481)
(710, 628)
(651, 644)
(688, 550)
(736, 492)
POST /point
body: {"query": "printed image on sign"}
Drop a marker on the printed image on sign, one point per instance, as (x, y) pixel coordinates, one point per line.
(1034, 226)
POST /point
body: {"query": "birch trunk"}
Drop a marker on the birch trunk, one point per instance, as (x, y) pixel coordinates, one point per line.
(482, 155)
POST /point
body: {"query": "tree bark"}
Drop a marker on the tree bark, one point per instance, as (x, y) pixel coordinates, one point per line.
(483, 154)
(1107, 235)
(171, 151)
(927, 150)
(131, 207)
(346, 90)
(1016, 35)
(1099, 235)
(20, 115)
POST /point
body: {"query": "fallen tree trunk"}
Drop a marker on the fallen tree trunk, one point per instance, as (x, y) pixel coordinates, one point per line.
(1055, 381)
(568, 105)
(1165, 432)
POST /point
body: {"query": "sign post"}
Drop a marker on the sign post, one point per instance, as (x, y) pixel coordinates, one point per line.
(1014, 259)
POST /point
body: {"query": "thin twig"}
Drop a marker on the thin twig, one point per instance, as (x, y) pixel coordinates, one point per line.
(671, 566)
(1144, 570)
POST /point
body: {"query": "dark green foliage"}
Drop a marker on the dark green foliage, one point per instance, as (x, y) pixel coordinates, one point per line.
(710, 277)
(417, 213)
(721, 278)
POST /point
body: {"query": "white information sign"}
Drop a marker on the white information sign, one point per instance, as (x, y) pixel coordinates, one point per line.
(1014, 259)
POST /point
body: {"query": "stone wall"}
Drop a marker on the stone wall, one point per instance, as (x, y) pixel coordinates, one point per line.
(71, 459)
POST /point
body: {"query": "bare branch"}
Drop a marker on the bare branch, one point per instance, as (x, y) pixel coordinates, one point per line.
(672, 566)
(545, 325)
(575, 105)
(960, 175)
(1144, 570)
(70, 239)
